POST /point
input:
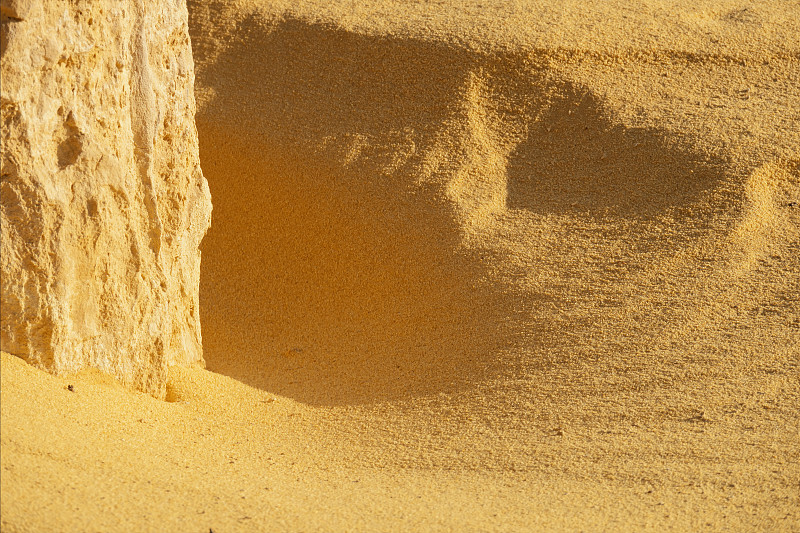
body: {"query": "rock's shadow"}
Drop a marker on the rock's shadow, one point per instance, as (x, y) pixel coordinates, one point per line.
(575, 158)
(329, 276)
(333, 273)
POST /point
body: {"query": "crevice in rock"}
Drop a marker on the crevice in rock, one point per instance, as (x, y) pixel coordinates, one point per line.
(71, 146)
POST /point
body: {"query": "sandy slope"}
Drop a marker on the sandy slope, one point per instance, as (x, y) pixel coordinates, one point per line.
(226, 456)
(505, 266)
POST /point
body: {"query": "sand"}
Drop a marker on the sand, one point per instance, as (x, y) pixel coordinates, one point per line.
(473, 266)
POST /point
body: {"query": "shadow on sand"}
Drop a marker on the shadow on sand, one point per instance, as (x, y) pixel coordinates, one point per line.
(334, 272)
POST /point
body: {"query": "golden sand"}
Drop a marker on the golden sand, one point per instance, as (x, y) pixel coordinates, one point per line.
(473, 266)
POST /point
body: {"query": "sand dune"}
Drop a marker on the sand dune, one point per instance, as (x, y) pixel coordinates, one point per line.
(422, 208)
(471, 272)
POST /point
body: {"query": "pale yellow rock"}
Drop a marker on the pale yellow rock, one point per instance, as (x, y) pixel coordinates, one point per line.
(104, 204)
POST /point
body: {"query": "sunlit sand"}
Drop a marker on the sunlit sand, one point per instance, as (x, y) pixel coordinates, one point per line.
(496, 267)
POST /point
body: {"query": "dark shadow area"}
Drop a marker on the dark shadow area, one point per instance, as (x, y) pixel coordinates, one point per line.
(576, 158)
(334, 272)
(329, 274)
(310, 293)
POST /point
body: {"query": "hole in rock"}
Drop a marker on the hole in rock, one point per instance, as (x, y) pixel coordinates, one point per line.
(71, 145)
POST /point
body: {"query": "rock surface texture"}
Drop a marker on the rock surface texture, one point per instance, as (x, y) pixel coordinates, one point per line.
(104, 203)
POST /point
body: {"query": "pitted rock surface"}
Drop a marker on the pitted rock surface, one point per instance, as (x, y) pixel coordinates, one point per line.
(104, 203)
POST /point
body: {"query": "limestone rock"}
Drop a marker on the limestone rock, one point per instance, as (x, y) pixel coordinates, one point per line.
(104, 204)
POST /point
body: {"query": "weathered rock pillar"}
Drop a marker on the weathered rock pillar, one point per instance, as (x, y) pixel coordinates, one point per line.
(104, 204)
